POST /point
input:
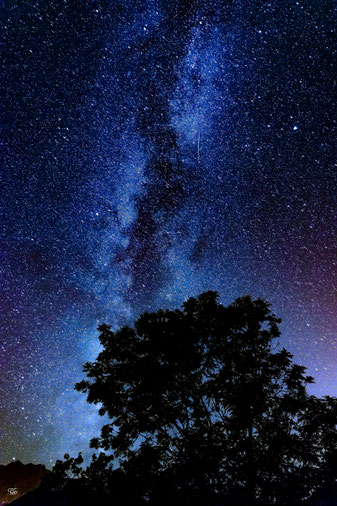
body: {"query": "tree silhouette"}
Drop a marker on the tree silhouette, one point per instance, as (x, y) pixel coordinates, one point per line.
(203, 406)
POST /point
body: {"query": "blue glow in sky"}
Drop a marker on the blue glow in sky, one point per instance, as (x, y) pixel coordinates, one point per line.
(154, 150)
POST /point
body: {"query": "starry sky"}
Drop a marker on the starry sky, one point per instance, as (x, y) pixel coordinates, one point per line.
(155, 149)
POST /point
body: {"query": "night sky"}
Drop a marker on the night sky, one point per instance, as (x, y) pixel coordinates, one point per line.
(153, 150)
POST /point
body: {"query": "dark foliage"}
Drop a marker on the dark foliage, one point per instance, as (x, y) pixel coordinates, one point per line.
(205, 409)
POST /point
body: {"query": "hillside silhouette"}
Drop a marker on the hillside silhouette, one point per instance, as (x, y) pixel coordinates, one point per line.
(17, 479)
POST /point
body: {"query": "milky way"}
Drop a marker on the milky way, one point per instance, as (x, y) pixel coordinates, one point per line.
(154, 150)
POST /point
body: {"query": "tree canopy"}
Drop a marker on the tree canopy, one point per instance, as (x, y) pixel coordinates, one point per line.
(204, 406)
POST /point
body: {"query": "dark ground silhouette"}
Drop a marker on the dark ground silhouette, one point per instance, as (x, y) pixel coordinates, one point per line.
(205, 410)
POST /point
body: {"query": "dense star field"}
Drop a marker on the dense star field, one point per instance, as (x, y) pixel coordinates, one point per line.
(153, 150)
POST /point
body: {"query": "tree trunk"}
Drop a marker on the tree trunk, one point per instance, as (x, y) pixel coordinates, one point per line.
(251, 471)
